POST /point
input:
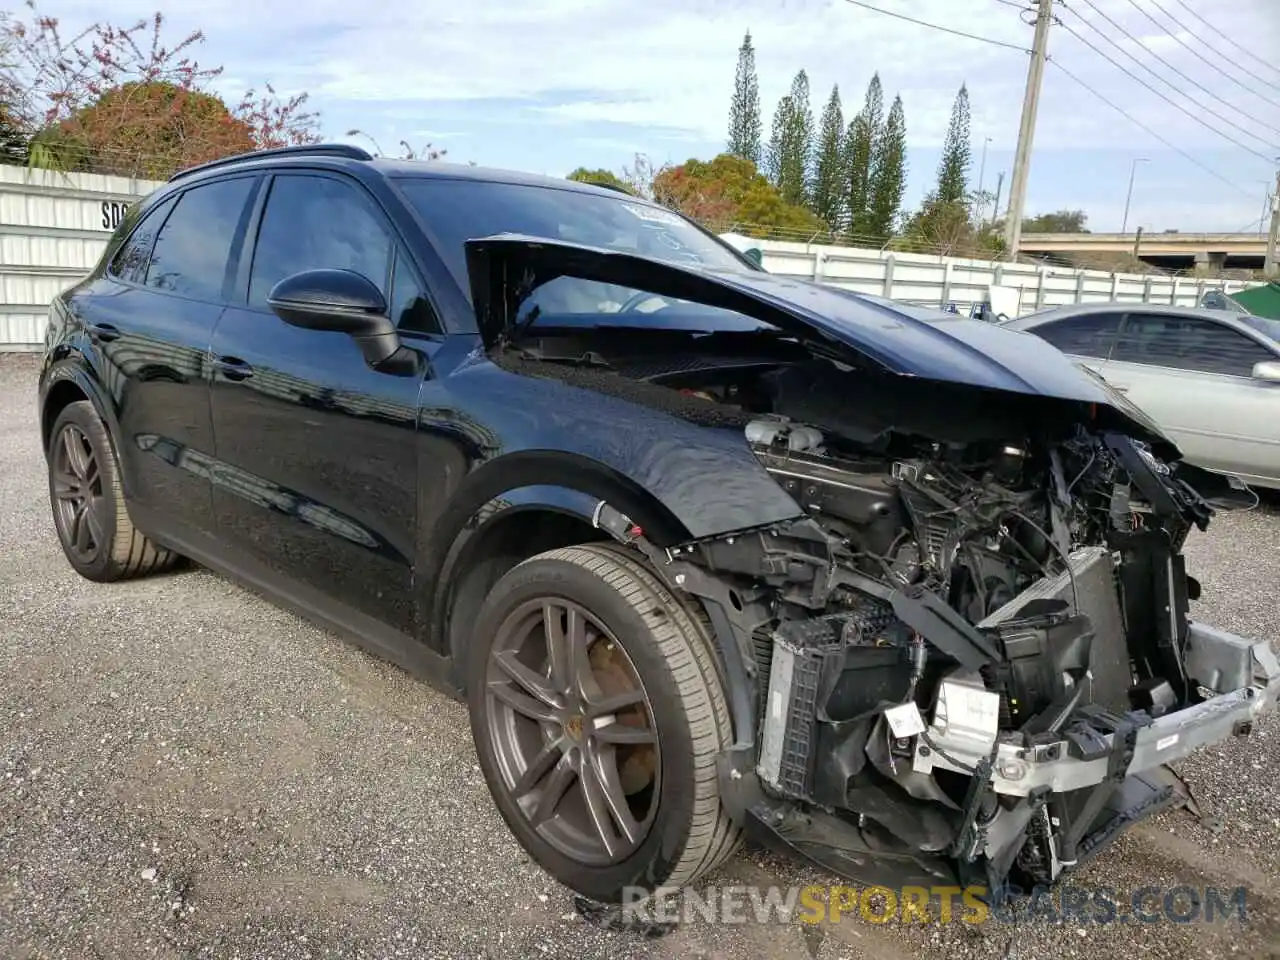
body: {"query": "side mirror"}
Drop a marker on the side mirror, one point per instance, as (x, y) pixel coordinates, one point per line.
(341, 301)
(1268, 370)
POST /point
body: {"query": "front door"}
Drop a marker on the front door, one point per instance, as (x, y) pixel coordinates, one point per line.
(316, 475)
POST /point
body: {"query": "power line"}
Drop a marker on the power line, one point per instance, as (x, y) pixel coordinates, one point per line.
(1200, 56)
(937, 26)
(1138, 123)
(1132, 76)
(1195, 83)
(1239, 46)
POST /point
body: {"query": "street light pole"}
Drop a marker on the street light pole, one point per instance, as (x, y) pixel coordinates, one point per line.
(1124, 226)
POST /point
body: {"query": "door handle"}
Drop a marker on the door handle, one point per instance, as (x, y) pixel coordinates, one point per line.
(233, 368)
(103, 332)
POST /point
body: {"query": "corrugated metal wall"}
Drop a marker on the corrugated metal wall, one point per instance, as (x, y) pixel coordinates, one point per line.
(53, 227)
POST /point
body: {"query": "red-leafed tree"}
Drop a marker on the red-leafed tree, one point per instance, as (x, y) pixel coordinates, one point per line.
(120, 100)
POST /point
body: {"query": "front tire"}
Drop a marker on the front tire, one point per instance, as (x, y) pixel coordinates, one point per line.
(89, 512)
(598, 716)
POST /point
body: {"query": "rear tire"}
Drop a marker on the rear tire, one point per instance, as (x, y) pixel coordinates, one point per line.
(89, 511)
(678, 828)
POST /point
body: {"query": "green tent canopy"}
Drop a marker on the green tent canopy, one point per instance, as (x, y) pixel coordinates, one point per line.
(1262, 301)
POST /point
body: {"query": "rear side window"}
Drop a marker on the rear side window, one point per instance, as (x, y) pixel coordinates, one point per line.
(130, 261)
(1086, 335)
(315, 223)
(1188, 343)
(193, 247)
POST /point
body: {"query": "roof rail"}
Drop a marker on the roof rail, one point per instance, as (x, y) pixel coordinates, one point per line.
(616, 187)
(348, 150)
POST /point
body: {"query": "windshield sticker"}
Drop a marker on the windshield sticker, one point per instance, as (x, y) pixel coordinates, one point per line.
(653, 215)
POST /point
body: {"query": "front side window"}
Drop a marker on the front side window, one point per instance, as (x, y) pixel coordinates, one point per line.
(1188, 343)
(1087, 335)
(193, 247)
(317, 223)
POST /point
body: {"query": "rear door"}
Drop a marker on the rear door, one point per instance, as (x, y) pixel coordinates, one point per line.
(151, 319)
(1193, 376)
(317, 473)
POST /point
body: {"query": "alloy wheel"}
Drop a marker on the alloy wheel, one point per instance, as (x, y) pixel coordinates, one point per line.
(573, 731)
(79, 504)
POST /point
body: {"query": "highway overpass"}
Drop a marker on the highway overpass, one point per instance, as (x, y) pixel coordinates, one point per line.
(1173, 250)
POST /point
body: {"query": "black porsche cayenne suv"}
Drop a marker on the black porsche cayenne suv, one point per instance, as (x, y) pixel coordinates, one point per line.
(708, 551)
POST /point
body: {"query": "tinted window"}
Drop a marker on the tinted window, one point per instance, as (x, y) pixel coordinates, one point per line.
(1188, 343)
(130, 261)
(191, 251)
(410, 308)
(1086, 335)
(459, 210)
(314, 223)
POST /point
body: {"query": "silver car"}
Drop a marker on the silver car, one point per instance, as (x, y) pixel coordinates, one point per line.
(1210, 378)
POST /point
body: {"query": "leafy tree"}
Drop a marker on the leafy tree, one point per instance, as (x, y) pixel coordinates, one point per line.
(146, 130)
(949, 228)
(54, 85)
(744, 108)
(829, 171)
(862, 148)
(602, 176)
(1063, 221)
(888, 174)
(953, 168)
(791, 147)
(729, 192)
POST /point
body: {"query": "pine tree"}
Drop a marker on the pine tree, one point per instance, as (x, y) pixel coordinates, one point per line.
(777, 151)
(744, 108)
(792, 147)
(953, 168)
(889, 174)
(862, 144)
(829, 171)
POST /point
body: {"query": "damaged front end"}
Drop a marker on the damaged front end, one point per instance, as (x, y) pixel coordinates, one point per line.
(967, 656)
(972, 663)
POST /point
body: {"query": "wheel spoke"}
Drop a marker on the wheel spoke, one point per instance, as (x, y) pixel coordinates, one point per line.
(532, 681)
(606, 803)
(66, 486)
(538, 768)
(522, 703)
(80, 528)
(617, 702)
(624, 733)
(76, 459)
(90, 473)
(553, 790)
(93, 520)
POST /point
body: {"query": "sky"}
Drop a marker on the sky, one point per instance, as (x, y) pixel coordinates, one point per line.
(550, 85)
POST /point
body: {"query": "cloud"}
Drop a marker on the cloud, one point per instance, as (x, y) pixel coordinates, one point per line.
(555, 83)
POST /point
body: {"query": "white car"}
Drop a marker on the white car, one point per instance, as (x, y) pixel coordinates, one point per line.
(1209, 378)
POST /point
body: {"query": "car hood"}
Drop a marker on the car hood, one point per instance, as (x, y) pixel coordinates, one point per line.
(901, 339)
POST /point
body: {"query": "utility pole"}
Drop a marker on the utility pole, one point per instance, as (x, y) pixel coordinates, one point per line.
(1269, 266)
(1027, 129)
(995, 206)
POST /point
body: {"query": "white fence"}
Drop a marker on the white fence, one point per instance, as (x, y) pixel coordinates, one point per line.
(934, 281)
(53, 228)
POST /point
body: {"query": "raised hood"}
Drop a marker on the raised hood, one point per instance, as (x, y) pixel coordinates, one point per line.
(901, 339)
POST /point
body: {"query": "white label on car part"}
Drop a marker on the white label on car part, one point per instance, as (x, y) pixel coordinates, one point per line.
(1165, 742)
(904, 720)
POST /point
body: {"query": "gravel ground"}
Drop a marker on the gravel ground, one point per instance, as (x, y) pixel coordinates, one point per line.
(188, 772)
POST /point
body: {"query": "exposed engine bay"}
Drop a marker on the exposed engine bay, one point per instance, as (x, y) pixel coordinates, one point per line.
(974, 657)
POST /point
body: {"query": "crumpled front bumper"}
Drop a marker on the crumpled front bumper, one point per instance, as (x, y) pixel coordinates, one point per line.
(1239, 677)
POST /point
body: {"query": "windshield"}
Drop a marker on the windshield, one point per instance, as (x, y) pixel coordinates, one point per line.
(1264, 325)
(459, 210)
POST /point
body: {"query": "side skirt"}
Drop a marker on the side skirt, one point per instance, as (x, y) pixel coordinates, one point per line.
(364, 631)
